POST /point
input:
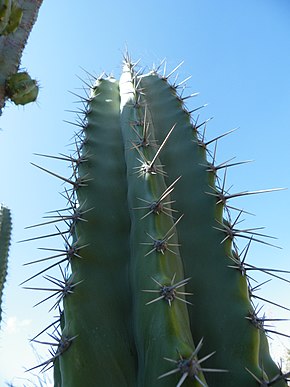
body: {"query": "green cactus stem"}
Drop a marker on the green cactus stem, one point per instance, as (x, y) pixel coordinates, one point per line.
(103, 205)
(22, 17)
(157, 292)
(5, 236)
(21, 89)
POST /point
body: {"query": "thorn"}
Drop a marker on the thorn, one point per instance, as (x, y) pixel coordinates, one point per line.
(44, 236)
(173, 71)
(64, 158)
(94, 77)
(169, 292)
(196, 127)
(46, 328)
(231, 232)
(225, 164)
(190, 367)
(156, 70)
(184, 81)
(143, 140)
(148, 167)
(157, 207)
(189, 96)
(262, 382)
(54, 174)
(62, 343)
(74, 217)
(252, 295)
(162, 245)
(82, 99)
(224, 198)
(220, 136)
(162, 145)
(64, 287)
(198, 108)
(44, 270)
(78, 124)
(259, 322)
(47, 258)
(82, 80)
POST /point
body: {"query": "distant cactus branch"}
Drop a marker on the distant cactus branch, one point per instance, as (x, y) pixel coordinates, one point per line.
(5, 235)
(12, 45)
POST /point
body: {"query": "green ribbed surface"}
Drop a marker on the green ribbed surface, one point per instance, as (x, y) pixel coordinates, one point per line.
(220, 293)
(128, 251)
(99, 311)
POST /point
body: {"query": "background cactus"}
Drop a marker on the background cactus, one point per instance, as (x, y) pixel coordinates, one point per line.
(5, 236)
(154, 287)
(16, 21)
(10, 16)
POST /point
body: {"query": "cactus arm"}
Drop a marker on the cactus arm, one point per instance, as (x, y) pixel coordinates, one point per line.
(161, 328)
(98, 312)
(5, 235)
(12, 45)
(221, 293)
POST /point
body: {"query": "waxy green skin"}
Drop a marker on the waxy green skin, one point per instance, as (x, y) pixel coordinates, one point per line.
(119, 337)
(221, 300)
(95, 308)
(5, 236)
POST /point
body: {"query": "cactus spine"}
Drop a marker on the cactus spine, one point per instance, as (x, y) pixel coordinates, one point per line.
(5, 235)
(157, 292)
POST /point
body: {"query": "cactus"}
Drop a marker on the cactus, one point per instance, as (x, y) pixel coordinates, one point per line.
(21, 89)
(154, 289)
(5, 12)
(5, 235)
(10, 16)
(16, 21)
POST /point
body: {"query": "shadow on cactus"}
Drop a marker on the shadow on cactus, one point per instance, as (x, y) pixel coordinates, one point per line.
(154, 289)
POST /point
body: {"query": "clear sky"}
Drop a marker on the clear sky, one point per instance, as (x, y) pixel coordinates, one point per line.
(238, 53)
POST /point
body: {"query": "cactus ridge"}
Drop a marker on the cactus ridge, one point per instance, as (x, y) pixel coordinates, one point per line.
(151, 244)
(5, 236)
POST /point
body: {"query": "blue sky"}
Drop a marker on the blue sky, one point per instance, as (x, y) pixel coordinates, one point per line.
(238, 54)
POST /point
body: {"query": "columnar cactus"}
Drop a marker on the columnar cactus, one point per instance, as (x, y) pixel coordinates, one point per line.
(5, 235)
(155, 289)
